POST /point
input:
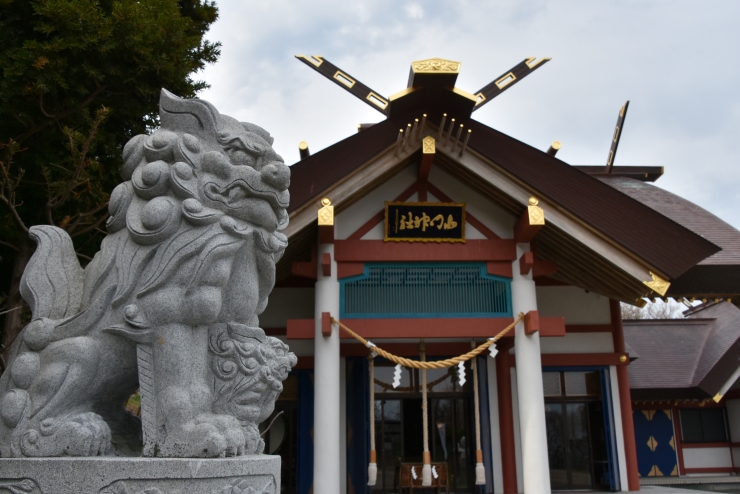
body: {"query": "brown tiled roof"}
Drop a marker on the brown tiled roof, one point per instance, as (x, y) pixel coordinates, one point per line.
(716, 276)
(664, 244)
(685, 213)
(681, 358)
(641, 230)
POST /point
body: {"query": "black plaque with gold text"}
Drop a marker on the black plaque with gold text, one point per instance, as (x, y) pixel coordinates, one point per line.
(424, 222)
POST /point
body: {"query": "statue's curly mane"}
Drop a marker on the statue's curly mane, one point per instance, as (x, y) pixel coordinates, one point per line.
(157, 217)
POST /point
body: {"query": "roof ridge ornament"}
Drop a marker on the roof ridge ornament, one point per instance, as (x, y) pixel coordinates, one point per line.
(435, 66)
(658, 284)
(326, 213)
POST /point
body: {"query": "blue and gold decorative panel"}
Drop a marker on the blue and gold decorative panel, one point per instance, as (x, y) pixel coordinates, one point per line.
(425, 290)
(656, 444)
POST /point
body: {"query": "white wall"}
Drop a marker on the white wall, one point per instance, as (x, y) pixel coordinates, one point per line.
(495, 218)
(733, 418)
(707, 458)
(578, 343)
(577, 306)
(352, 218)
(287, 303)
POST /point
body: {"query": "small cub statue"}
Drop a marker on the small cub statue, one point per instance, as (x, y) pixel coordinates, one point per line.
(169, 305)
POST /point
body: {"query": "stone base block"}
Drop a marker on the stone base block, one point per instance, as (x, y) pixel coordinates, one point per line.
(258, 474)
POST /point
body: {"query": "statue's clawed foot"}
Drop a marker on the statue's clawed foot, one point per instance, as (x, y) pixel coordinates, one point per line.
(85, 434)
(206, 436)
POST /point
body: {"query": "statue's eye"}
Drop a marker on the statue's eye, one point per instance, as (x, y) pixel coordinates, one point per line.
(240, 157)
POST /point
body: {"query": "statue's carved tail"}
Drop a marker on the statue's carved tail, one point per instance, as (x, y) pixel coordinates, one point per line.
(52, 281)
(145, 358)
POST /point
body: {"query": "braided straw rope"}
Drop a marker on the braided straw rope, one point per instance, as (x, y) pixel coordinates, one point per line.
(437, 364)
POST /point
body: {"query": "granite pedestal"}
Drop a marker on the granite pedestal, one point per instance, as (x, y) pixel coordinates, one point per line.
(253, 474)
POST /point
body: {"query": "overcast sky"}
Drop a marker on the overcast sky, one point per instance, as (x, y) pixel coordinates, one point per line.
(676, 61)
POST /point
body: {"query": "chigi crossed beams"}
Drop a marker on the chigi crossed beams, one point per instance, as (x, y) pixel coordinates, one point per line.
(418, 70)
(419, 75)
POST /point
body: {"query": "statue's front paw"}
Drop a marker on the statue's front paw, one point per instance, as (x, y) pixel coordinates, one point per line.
(229, 432)
(86, 434)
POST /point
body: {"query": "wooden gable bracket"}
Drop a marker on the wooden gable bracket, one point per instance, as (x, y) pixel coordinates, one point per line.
(306, 269)
(529, 262)
(428, 150)
(531, 322)
(529, 223)
(526, 263)
(326, 324)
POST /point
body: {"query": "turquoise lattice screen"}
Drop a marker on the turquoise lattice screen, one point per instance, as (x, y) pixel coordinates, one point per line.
(425, 290)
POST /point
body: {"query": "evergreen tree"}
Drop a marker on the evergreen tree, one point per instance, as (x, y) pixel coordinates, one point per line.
(80, 78)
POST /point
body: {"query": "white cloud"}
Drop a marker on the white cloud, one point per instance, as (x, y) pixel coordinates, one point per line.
(672, 60)
(414, 10)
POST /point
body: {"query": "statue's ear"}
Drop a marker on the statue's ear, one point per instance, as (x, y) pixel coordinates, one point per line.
(192, 116)
(256, 129)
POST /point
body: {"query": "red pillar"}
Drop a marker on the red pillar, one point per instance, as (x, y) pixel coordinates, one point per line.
(506, 421)
(625, 400)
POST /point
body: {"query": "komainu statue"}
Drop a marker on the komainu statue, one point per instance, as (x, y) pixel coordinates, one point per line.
(169, 305)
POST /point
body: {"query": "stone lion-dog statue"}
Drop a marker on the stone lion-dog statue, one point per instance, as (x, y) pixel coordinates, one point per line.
(169, 305)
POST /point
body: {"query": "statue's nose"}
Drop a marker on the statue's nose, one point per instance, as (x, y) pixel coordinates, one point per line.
(276, 174)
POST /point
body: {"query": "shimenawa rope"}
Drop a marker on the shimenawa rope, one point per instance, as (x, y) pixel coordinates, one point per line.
(436, 364)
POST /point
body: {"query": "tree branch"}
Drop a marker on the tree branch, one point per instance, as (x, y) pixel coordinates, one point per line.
(91, 227)
(56, 117)
(9, 245)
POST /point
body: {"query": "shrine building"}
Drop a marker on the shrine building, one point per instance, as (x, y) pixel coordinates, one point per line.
(429, 233)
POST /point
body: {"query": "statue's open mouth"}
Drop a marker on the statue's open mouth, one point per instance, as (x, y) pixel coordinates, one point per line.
(260, 207)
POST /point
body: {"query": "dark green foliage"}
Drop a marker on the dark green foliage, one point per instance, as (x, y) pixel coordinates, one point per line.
(80, 78)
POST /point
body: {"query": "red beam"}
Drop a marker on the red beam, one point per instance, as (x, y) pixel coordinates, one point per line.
(347, 269)
(303, 329)
(300, 329)
(711, 469)
(526, 262)
(378, 250)
(523, 231)
(407, 349)
(427, 328)
(625, 400)
(425, 165)
(306, 269)
(500, 269)
(326, 234)
(579, 359)
(552, 326)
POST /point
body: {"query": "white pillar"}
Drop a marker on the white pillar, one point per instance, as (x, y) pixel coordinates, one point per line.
(327, 420)
(535, 468)
(498, 482)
